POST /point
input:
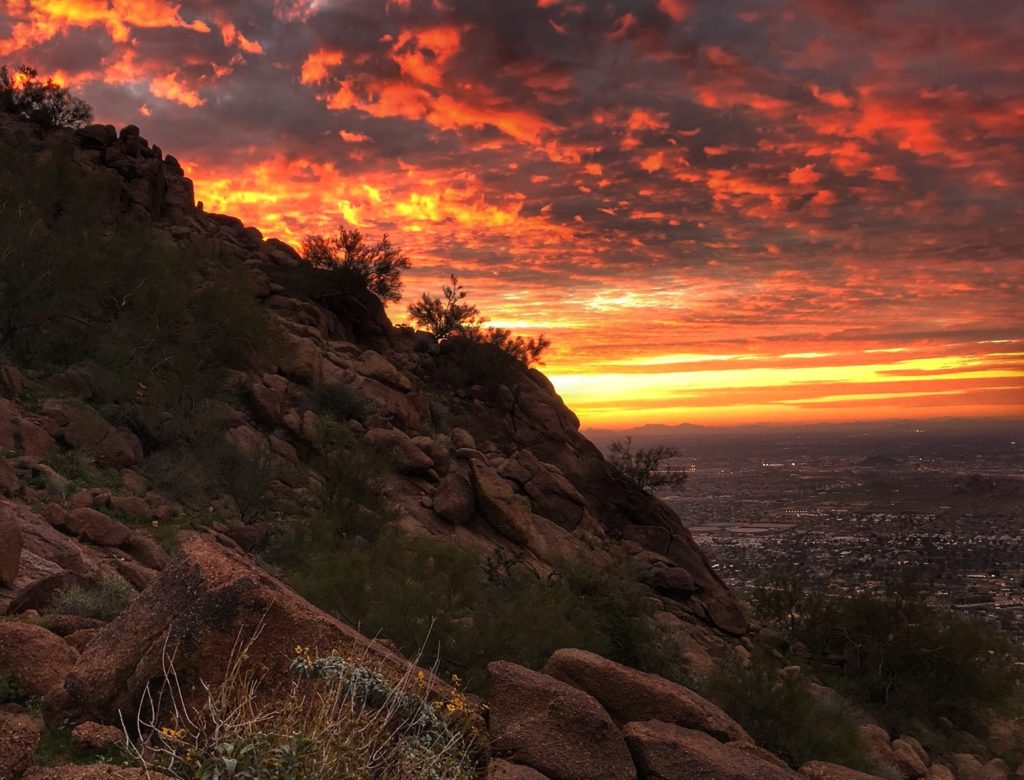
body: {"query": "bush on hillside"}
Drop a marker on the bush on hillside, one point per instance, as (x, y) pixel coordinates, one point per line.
(378, 266)
(43, 102)
(423, 593)
(448, 318)
(782, 715)
(646, 466)
(104, 600)
(894, 654)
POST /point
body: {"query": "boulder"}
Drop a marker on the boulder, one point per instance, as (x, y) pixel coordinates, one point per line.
(97, 527)
(879, 746)
(405, 456)
(553, 727)
(19, 736)
(940, 772)
(503, 770)
(908, 760)
(37, 659)
(823, 770)
(63, 625)
(631, 695)
(10, 547)
(85, 429)
(968, 767)
(663, 751)
(96, 736)
(20, 434)
(455, 499)
(207, 599)
(133, 506)
(996, 769)
(552, 495)
(504, 510)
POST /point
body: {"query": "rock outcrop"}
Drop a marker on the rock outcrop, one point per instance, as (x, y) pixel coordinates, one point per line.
(206, 603)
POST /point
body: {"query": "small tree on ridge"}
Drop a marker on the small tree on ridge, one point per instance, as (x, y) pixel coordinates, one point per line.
(379, 266)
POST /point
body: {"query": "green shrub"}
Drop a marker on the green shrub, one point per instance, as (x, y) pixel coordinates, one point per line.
(782, 715)
(377, 266)
(424, 593)
(10, 691)
(905, 660)
(104, 601)
(340, 402)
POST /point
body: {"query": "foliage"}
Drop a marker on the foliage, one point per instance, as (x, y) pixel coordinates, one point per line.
(448, 317)
(43, 102)
(782, 715)
(158, 326)
(340, 717)
(104, 601)
(895, 654)
(340, 402)
(644, 467)
(245, 475)
(379, 266)
(10, 691)
(415, 591)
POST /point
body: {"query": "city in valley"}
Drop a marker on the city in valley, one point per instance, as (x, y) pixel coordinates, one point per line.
(860, 508)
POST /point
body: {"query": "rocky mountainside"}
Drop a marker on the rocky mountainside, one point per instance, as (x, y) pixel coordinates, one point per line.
(465, 447)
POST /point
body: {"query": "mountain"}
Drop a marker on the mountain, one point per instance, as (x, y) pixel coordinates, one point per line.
(233, 493)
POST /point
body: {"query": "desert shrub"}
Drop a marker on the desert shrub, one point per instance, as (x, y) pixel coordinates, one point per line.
(645, 467)
(340, 402)
(245, 475)
(43, 102)
(340, 717)
(448, 318)
(10, 691)
(782, 715)
(105, 600)
(465, 612)
(894, 654)
(378, 266)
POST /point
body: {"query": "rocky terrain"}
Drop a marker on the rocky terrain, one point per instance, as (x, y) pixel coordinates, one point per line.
(490, 462)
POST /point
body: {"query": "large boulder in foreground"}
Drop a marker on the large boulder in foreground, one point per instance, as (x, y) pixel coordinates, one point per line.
(664, 751)
(36, 659)
(554, 728)
(204, 603)
(630, 695)
(19, 736)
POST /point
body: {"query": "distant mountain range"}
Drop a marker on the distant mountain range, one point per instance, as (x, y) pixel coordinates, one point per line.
(657, 433)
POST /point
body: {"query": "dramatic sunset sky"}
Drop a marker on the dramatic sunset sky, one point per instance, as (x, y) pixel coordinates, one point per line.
(720, 212)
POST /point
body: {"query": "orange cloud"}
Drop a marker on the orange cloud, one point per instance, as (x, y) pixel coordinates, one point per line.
(170, 88)
(43, 20)
(315, 68)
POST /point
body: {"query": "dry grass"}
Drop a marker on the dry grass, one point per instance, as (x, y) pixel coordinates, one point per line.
(340, 717)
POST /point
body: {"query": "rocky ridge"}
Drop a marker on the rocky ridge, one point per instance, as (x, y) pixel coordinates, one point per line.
(488, 468)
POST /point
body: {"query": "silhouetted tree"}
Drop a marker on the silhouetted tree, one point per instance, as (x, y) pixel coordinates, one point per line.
(448, 316)
(43, 102)
(378, 265)
(644, 467)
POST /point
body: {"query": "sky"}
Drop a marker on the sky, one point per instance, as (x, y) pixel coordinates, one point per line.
(720, 212)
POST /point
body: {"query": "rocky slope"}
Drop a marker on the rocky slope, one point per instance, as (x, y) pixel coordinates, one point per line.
(479, 454)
